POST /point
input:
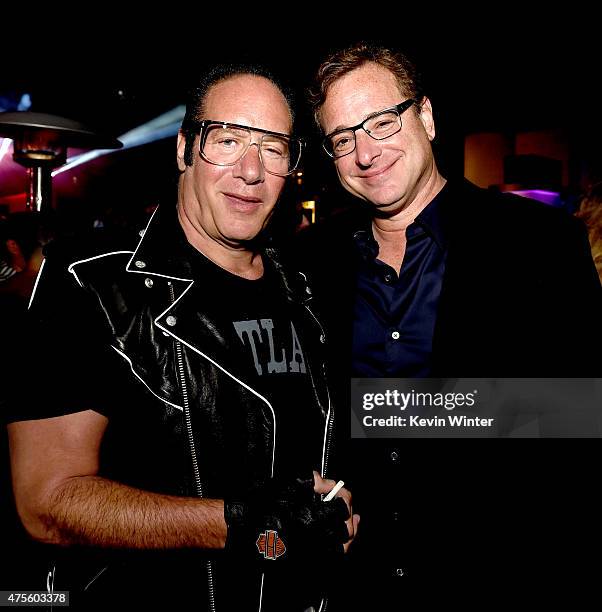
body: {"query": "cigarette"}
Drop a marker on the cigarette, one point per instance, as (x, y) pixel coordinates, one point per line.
(337, 487)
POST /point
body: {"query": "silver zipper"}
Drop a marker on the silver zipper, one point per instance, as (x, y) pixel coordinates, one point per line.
(195, 463)
(331, 421)
(324, 602)
(328, 433)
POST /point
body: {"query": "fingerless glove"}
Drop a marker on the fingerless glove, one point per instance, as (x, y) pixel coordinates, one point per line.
(286, 521)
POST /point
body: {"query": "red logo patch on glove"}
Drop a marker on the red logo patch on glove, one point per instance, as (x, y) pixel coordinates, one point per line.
(270, 545)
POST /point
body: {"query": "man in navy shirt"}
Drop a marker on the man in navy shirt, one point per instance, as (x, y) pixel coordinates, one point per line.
(438, 277)
(427, 277)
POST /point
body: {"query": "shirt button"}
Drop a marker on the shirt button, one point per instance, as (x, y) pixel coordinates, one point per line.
(394, 456)
(395, 335)
(148, 282)
(388, 278)
(171, 320)
(139, 264)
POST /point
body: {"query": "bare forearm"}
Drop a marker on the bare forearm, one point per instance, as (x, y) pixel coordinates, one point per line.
(95, 511)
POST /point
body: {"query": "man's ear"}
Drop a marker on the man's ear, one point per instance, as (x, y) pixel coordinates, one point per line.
(180, 151)
(426, 116)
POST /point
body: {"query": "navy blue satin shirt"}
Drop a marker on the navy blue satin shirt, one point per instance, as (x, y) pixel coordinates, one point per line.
(394, 316)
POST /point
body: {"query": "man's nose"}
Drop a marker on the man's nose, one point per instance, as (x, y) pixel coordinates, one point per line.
(249, 167)
(366, 149)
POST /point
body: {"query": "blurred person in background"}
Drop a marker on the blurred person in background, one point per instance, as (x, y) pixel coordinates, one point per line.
(21, 243)
(590, 211)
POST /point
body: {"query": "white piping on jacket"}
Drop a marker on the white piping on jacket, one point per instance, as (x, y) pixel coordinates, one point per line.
(142, 380)
(240, 382)
(35, 286)
(70, 268)
(75, 263)
(127, 266)
(261, 594)
(329, 403)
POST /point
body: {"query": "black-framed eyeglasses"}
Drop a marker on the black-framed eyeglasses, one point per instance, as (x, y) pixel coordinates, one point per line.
(224, 144)
(379, 125)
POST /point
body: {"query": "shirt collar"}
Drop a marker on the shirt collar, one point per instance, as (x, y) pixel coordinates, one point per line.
(429, 221)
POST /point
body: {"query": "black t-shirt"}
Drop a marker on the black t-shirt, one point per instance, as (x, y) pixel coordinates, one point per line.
(260, 325)
(62, 361)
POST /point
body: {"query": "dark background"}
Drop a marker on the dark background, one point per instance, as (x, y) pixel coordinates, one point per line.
(508, 68)
(504, 68)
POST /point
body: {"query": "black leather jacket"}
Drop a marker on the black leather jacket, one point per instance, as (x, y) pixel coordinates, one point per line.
(190, 421)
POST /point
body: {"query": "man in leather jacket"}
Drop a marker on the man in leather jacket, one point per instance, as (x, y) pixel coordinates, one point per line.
(178, 441)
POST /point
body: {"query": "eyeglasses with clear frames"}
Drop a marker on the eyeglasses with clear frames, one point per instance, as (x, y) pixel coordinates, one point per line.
(224, 144)
(379, 125)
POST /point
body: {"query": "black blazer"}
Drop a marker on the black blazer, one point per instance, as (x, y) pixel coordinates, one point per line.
(520, 298)
(520, 294)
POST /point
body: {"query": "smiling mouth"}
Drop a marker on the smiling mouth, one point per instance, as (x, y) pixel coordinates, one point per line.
(241, 199)
(377, 173)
